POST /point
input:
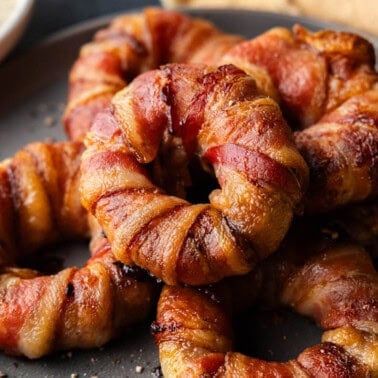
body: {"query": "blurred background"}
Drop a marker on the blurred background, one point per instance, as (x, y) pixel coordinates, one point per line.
(50, 16)
(359, 14)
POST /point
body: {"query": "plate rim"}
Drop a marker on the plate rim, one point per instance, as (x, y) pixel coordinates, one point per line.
(81, 26)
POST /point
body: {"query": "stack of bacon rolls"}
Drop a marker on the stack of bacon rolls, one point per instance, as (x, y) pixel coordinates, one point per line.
(285, 126)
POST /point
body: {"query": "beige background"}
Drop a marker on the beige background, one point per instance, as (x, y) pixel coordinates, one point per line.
(359, 14)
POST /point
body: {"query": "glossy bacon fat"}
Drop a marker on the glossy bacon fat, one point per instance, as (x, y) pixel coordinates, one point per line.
(75, 308)
(219, 115)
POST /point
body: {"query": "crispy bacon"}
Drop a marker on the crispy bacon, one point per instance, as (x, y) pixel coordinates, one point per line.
(328, 280)
(341, 151)
(130, 45)
(327, 84)
(177, 241)
(76, 307)
(314, 72)
(310, 74)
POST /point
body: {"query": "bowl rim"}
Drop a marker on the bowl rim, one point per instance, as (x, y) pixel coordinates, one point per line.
(15, 22)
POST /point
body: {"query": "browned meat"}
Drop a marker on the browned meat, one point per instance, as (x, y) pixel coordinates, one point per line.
(332, 282)
(314, 73)
(132, 44)
(75, 308)
(219, 115)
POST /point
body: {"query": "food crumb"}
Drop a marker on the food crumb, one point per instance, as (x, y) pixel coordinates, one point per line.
(49, 121)
(139, 369)
(3, 375)
(74, 375)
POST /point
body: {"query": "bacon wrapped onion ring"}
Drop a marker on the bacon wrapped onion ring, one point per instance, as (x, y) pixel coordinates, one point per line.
(130, 45)
(327, 84)
(76, 307)
(334, 283)
(219, 115)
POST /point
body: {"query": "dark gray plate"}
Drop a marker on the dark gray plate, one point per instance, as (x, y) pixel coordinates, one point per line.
(31, 103)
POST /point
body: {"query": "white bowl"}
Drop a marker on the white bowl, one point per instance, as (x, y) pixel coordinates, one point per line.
(13, 25)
